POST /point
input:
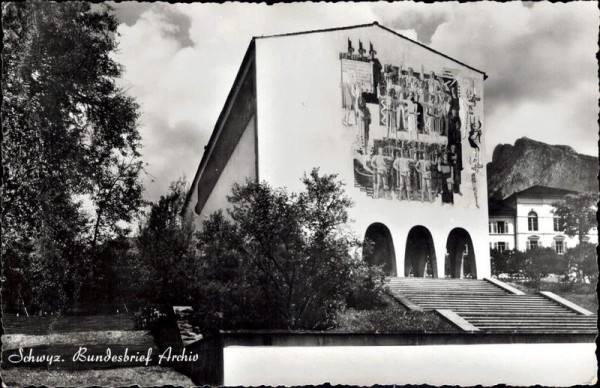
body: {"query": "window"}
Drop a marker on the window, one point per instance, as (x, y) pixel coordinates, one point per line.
(501, 226)
(500, 246)
(532, 221)
(498, 227)
(531, 244)
(559, 246)
(557, 224)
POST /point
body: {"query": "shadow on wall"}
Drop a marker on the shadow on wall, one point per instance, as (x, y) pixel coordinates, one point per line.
(382, 252)
(419, 258)
(460, 256)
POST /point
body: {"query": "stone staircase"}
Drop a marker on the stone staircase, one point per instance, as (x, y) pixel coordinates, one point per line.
(493, 307)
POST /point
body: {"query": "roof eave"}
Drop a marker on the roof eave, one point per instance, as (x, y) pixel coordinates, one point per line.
(222, 116)
(485, 76)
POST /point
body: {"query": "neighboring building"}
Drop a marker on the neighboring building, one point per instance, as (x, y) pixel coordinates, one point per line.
(502, 226)
(525, 220)
(401, 124)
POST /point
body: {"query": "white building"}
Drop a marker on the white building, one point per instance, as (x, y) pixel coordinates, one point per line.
(401, 124)
(525, 220)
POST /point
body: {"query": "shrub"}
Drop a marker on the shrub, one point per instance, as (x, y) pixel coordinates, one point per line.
(281, 260)
(582, 260)
(391, 318)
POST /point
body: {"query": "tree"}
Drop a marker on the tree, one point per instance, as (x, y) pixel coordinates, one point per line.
(582, 260)
(509, 262)
(69, 133)
(166, 250)
(577, 213)
(281, 260)
(541, 262)
(517, 264)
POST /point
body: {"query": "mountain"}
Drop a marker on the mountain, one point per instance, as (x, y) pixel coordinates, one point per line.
(528, 163)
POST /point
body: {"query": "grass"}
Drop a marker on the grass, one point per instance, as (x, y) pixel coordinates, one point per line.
(142, 376)
(114, 337)
(583, 295)
(35, 325)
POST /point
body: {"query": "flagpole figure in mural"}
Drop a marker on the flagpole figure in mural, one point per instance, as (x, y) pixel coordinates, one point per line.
(356, 93)
(423, 166)
(473, 124)
(361, 50)
(377, 69)
(348, 101)
(423, 90)
(428, 112)
(391, 103)
(447, 179)
(402, 168)
(364, 122)
(379, 162)
(474, 168)
(436, 176)
(412, 119)
(412, 82)
(455, 152)
(475, 139)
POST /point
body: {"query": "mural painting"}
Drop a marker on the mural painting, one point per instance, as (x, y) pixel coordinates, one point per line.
(407, 127)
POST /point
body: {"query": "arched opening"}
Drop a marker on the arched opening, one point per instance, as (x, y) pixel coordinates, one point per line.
(460, 256)
(381, 252)
(419, 257)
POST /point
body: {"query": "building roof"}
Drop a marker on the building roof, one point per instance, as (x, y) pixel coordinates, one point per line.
(541, 191)
(500, 208)
(375, 23)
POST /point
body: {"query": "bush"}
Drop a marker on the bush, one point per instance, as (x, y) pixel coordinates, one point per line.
(582, 260)
(281, 260)
(391, 318)
(508, 262)
(541, 262)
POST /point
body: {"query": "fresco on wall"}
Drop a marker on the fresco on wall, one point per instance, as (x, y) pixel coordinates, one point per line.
(409, 137)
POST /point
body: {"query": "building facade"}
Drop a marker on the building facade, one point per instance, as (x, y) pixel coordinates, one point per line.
(501, 226)
(525, 220)
(401, 124)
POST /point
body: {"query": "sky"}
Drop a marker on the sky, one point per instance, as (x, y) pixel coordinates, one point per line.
(180, 61)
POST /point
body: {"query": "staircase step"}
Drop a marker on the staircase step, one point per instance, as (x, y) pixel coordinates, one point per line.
(491, 308)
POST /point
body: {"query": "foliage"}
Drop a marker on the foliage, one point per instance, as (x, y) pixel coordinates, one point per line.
(280, 260)
(582, 260)
(391, 318)
(532, 264)
(541, 262)
(69, 133)
(112, 267)
(507, 262)
(166, 250)
(577, 213)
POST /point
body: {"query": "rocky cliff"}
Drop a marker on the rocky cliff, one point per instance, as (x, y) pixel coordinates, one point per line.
(528, 163)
